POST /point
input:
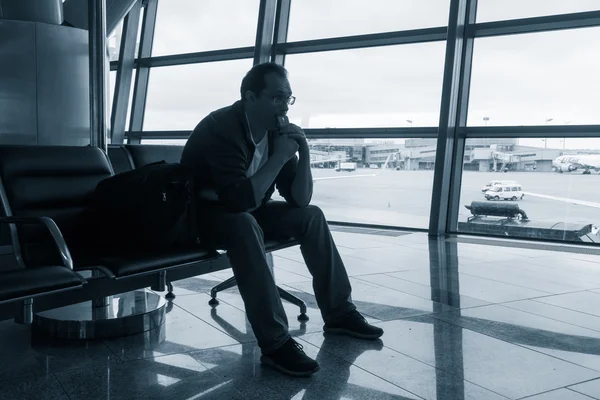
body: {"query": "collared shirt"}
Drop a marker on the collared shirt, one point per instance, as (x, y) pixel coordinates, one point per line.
(220, 151)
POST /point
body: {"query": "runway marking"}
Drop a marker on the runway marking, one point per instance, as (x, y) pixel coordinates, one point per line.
(565, 199)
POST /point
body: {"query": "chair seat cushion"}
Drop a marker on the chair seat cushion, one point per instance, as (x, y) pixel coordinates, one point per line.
(24, 282)
(131, 263)
(274, 244)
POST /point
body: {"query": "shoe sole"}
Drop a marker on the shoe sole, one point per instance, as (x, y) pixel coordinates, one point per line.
(342, 331)
(269, 361)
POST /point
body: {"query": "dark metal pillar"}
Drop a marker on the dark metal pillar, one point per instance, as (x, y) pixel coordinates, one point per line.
(264, 32)
(142, 76)
(98, 73)
(124, 77)
(453, 112)
(282, 21)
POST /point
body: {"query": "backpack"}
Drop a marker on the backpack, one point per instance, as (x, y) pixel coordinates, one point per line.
(149, 207)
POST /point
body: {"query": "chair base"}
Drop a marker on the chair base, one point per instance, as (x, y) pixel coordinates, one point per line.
(114, 316)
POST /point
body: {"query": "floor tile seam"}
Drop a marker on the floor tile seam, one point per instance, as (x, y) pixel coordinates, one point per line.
(310, 294)
(24, 377)
(567, 270)
(545, 316)
(583, 382)
(434, 367)
(426, 286)
(208, 323)
(332, 354)
(215, 375)
(405, 293)
(564, 308)
(371, 316)
(583, 394)
(549, 391)
(188, 353)
(61, 386)
(289, 259)
(515, 309)
(114, 353)
(521, 346)
(244, 312)
(506, 283)
(477, 298)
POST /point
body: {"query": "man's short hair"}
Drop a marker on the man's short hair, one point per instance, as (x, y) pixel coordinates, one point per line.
(254, 80)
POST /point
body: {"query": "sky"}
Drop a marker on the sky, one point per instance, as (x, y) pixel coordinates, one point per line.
(532, 79)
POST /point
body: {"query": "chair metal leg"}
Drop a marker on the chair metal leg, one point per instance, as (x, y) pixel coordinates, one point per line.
(170, 295)
(26, 315)
(285, 295)
(229, 283)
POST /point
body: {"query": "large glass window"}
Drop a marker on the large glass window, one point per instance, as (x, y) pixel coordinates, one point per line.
(536, 79)
(374, 181)
(548, 187)
(179, 97)
(372, 87)
(314, 19)
(188, 26)
(495, 10)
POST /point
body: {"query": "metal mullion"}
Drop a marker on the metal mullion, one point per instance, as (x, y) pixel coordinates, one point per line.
(264, 31)
(143, 73)
(124, 74)
(360, 41)
(328, 133)
(536, 24)
(450, 113)
(542, 131)
(197, 57)
(98, 73)
(282, 22)
(374, 133)
(458, 152)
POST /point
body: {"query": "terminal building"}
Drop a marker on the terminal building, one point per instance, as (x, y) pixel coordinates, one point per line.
(419, 154)
(485, 289)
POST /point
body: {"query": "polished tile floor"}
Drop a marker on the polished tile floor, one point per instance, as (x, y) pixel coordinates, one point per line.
(462, 320)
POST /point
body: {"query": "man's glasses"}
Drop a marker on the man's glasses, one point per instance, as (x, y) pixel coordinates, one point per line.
(278, 100)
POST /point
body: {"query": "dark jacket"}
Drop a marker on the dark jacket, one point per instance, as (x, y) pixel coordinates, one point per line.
(220, 150)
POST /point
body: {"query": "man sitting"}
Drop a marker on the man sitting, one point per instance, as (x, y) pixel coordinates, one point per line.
(239, 154)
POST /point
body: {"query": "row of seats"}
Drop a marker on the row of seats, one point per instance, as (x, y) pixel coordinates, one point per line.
(44, 189)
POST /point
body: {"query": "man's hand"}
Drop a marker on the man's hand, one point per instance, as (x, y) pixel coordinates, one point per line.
(295, 133)
(285, 146)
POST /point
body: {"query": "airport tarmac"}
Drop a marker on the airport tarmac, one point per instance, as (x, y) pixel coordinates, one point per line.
(403, 198)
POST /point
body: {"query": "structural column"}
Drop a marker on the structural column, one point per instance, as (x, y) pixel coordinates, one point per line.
(98, 73)
(453, 116)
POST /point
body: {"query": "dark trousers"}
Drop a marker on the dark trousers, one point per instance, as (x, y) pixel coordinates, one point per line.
(242, 235)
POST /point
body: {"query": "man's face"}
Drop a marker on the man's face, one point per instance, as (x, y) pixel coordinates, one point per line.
(272, 100)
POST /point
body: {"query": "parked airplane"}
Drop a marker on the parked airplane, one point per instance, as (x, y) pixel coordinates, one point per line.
(573, 162)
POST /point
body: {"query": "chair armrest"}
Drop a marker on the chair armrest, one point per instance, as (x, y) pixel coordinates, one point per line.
(57, 236)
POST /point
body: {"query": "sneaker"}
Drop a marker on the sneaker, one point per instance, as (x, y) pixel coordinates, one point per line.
(354, 324)
(291, 359)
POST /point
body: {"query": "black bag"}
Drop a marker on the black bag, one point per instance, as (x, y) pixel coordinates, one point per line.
(148, 207)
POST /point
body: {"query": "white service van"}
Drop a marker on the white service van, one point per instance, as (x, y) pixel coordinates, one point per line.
(505, 191)
(491, 184)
